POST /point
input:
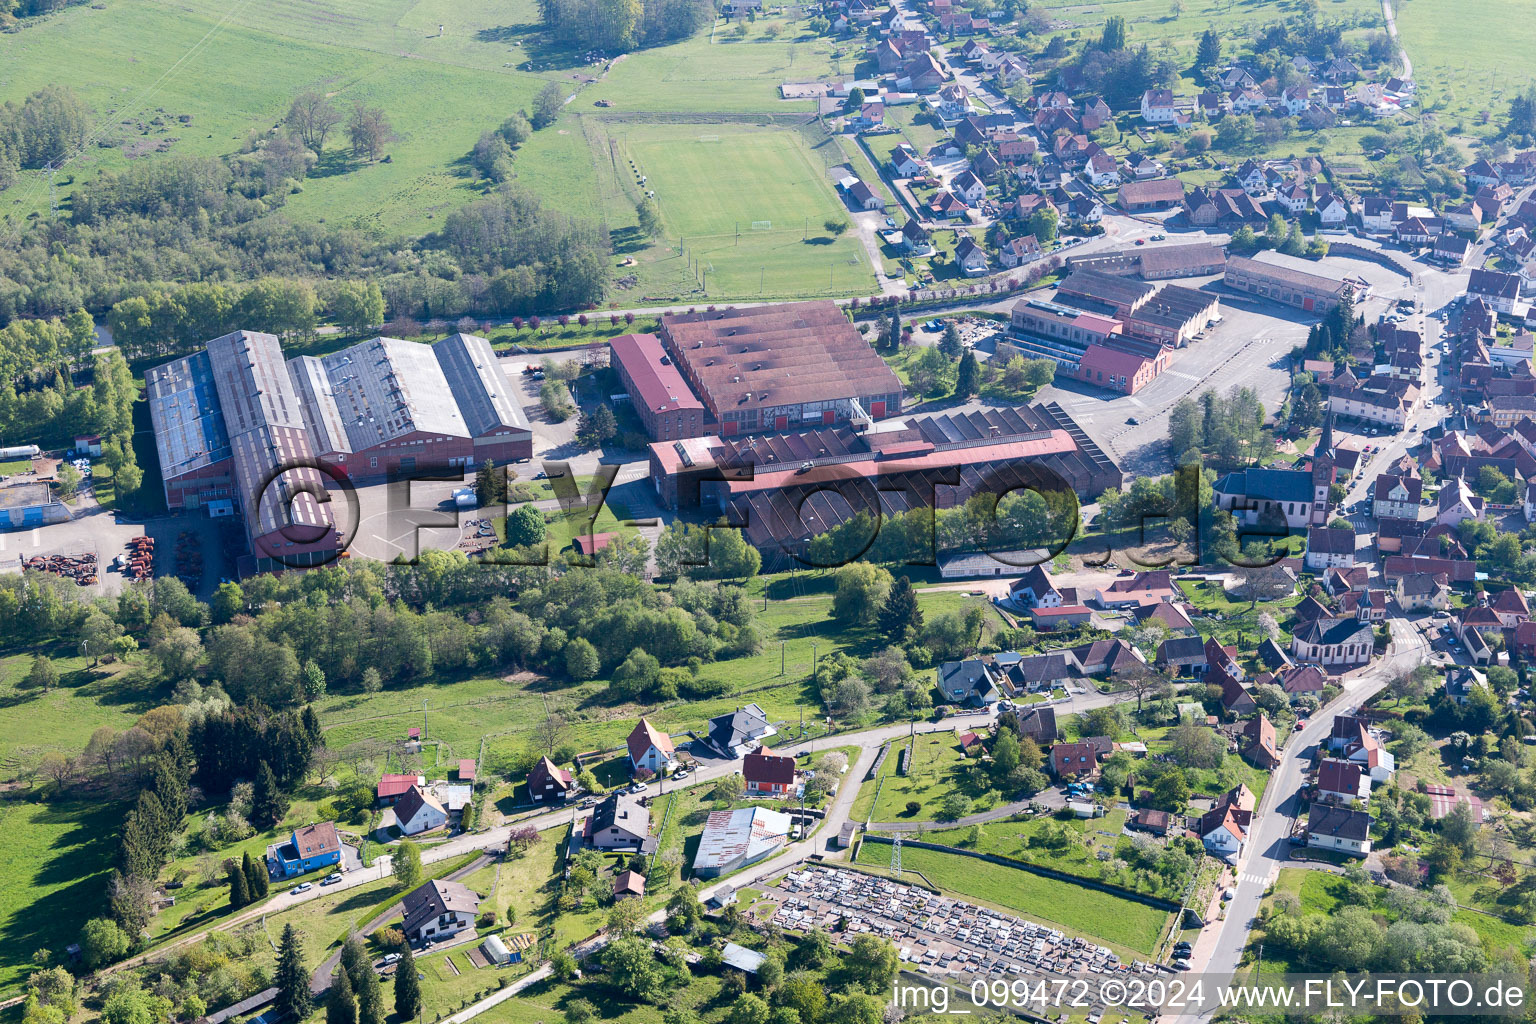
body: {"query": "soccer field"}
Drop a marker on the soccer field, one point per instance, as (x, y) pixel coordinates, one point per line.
(749, 206)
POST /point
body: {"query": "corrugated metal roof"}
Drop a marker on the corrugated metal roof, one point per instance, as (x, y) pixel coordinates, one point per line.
(184, 408)
(387, 388)
(479, 385)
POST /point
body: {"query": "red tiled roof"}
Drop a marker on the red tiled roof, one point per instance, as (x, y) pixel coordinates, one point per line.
(660, 384)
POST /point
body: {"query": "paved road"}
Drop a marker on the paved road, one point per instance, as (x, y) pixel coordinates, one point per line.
(1388, 16)
(1221, 946)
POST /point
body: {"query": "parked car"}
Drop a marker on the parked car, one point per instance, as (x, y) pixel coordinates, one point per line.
(302, 887)
(392, 958)
(331, 879)
(681, 774)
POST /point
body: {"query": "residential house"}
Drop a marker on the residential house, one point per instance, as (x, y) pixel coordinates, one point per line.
(1397, 497)
(1138, 589)
(970, 257)
(1101, 169)
(419, 811)
(650, 748)
(1333, 643)
(1080, 760)
(905, 161)
(549, 783)
(953, 103)
(1182, 656)
(945, 205)
(1376, 215)
(1332, 213)
(1451, 248)
(1296, 100)
(1142, 168)
(1342, 581)
(307, 849)
(1499, 290)
(1421, 591)
(1038, 722)
(437, 910)
(970, 682)
(1303, 681)
(969, 187)
(1034, 589)
(1329, 546)
(1462, 680)
(1235, 696)
(1224, 828)
(768, 774)
(619, 822)
(1341, 829)
(1258, 738)
(1481, 172)
(734, 733)
(1157, 107)
(1342, 782)
(1018, 252)
(915, 239)
(1365, 605)
(1458, 503)
(1041, 673)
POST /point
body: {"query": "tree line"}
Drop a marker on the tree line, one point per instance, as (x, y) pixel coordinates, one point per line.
(615, 26)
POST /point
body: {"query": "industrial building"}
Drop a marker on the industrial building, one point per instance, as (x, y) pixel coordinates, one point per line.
(735, 839)
(1109, 330)
(24, 506)
(657, 392)
(239, 429)
(780, 367)
(786, 489)
(1312, 293)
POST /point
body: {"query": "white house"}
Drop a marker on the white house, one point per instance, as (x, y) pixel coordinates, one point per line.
(417, 812)
(1397, 497)
(1157, 106)
(650, 748)
(1330, 546)
(438, 909)
(1343, 829)
(906, 162)
(1458, 503)
(969, 187)
(1376, 215)
(1333, 213)
(970, 257)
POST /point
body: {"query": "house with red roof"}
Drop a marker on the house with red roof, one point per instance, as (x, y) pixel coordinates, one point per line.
(392, 787)
(549, 783)
(1342, 782)
(650, 748)
(768, 774)
(1117, 370)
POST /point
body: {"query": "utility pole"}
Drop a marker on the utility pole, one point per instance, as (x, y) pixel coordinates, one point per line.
(781, 657)
(424, 702)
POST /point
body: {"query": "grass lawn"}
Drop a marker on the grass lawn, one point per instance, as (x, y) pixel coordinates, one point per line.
(936, 771)
(1016, 838)
(186, 89)
(747, 205)
(1131, 929)
(34, 723)
(52, 878)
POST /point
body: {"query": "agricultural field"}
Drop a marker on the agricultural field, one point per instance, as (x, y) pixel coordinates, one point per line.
(1179, 26)
(1464, 68)
(1131, 929)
